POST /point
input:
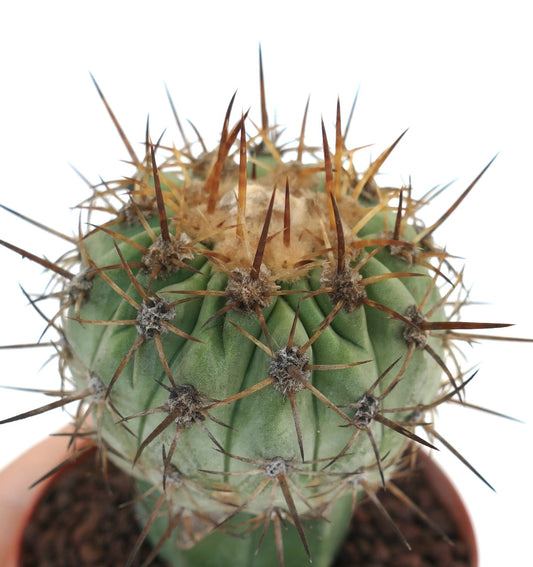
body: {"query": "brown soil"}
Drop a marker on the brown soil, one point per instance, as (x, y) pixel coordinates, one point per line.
(373, 542)
(79, 523)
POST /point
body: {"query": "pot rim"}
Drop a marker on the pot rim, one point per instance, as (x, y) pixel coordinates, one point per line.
(449, 496)
(17, 501)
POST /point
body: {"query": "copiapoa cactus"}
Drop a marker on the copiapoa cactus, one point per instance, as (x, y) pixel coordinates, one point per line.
(260, 335)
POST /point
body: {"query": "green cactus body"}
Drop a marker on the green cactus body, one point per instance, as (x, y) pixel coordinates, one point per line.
(256, 340)
(314, 396)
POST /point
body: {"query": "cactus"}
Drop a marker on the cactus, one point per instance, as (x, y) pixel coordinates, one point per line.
(258, 334)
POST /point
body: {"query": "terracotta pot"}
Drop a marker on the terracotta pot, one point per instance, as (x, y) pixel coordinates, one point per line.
(450, 498)
(17, 502)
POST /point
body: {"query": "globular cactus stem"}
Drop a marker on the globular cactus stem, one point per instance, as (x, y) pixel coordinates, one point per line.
(257, 340)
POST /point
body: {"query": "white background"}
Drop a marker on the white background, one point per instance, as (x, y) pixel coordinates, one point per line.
(457, 74)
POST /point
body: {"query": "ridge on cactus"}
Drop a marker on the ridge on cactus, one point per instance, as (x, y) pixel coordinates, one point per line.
(259, 334)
